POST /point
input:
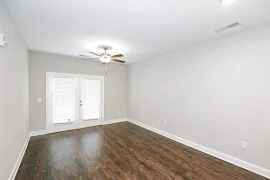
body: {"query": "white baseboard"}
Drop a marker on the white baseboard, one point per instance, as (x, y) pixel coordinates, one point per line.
(230, 159)
(19, 160)
(37, 133)
(114, 121)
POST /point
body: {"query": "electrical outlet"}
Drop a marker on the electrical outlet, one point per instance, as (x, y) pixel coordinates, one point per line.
(119, 113)
(244, 145)
(165, 121)
(39, 100)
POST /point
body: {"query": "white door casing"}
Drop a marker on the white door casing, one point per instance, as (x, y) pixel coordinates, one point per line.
(70, 101)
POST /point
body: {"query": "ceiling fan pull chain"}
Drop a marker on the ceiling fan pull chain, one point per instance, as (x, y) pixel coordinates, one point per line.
(106, 69)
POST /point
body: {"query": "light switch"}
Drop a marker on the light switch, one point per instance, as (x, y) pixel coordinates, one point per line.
(1, 40)
(39, 100)
(3, 43)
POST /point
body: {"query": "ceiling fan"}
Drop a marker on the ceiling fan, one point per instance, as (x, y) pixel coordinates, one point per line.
(105, 58)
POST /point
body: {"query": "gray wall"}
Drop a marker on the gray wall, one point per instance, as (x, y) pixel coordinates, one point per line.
(14, 106)
(115, 84)
(216, 93)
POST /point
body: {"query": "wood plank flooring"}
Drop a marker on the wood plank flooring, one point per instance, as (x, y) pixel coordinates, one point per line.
(120, 151)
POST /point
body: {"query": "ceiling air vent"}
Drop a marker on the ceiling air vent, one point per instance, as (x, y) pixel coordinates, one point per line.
(230, 26)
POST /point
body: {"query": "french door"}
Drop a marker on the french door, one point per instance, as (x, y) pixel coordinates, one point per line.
(73, 101)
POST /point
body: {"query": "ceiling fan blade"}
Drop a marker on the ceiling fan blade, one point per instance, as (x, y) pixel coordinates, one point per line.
(117, 55)
(88, 57)
(116, 60)
(94, 53)
(85, 56)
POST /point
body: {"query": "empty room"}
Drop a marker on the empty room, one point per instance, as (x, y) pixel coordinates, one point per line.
(135, 90)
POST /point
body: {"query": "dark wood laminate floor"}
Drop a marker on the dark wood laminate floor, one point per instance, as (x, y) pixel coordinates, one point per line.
(120, 151)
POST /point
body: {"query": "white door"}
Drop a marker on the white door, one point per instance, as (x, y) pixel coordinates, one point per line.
(90, 101)
(73, 101)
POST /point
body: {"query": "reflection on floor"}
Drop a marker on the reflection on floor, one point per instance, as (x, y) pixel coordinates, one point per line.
(120, 151)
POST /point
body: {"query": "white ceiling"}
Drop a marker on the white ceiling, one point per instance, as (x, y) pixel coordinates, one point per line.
(136, 28)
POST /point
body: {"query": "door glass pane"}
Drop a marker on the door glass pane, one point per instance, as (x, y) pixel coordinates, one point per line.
(90, 99)
(63, 100)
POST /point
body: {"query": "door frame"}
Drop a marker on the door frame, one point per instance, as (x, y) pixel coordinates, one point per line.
(48, 74)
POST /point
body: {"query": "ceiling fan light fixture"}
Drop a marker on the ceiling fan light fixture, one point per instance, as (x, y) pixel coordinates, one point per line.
(105, 58)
